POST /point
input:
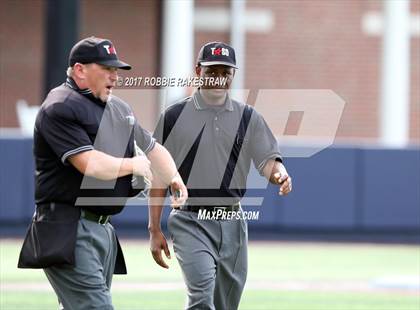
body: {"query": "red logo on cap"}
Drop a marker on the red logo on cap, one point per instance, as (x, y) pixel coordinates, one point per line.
(110, 49)
(219, 51)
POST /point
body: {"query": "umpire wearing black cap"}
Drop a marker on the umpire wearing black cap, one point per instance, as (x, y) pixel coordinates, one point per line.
(84, 148)
(213, 140)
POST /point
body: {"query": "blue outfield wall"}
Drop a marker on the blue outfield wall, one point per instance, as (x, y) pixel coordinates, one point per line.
(16, 180)
(340, 188)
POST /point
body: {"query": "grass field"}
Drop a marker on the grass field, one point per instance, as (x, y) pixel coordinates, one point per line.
(282, 275)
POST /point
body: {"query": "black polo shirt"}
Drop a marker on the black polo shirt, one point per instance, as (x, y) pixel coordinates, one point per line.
(201, 139)
(72, 121)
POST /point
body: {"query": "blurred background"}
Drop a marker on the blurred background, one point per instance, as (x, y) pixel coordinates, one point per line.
(364, 186)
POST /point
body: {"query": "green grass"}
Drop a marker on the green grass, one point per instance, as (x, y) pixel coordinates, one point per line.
(289, 276)
(252, 300)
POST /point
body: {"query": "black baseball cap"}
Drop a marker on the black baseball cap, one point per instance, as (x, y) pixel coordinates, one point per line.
(96, 50)
(216, 53)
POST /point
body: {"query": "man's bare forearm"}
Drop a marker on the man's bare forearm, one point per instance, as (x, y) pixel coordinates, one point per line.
(162, 165)
(156, 200)
(101, 166)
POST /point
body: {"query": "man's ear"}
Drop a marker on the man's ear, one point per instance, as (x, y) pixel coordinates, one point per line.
(198, 70)
(79, 71)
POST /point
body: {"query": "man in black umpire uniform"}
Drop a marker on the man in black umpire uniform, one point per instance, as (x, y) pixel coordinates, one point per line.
(85, 161)
(213, 140)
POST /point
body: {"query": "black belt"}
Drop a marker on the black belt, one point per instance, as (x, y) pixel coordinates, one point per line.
(57, 211)
(90, 216)
(235, 207)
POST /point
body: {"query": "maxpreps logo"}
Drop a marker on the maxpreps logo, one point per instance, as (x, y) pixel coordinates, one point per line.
(110, 49)
(219, 51)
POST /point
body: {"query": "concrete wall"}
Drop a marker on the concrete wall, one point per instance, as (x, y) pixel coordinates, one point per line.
(312, 45)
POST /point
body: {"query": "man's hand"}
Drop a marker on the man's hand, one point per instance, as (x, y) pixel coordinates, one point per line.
(141, 166)
(283, 179)
(179, 192)
(157, 245)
